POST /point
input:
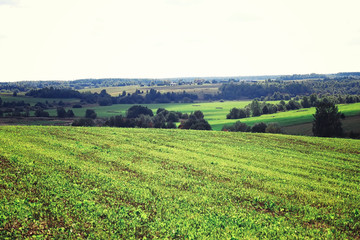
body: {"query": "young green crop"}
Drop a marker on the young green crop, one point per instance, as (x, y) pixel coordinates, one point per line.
(67, 182)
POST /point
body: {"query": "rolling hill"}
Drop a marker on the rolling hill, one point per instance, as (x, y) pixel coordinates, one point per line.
(67, 182)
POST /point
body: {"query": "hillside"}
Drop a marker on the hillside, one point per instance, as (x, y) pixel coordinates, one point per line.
(67, 182)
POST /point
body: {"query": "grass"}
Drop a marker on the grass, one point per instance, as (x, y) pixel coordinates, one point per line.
(193, 89)
(288, 118)
(214, 112)
(102, 183)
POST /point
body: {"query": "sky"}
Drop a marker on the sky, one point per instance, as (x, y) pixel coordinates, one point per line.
(75, 39)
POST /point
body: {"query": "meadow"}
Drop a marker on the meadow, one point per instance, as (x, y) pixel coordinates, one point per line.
(294, 121)
(215, 112)
(107, 183)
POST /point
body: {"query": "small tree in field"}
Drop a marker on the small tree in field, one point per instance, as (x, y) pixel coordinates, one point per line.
(327, 120)
(90, 113)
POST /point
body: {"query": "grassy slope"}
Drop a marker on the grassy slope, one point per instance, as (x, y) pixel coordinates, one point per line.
(348, 124)
(288, 118)
(130, 183)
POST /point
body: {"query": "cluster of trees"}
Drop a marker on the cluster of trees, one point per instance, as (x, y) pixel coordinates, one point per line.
(257, 108)
(154, 96)
(22, 109)
(104, 99)
(54, 93)
(143, 117)
(196, 121)
(284, 90)
(256, 128)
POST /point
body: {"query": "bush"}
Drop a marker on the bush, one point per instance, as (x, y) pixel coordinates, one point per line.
(84, 122)
(61, 113)
(77, 106)
(273, 128)
(137, 110)
(196, 121)
(259, 127)
(90, 114)
(41, 113)
(70, 114)
(238, 127)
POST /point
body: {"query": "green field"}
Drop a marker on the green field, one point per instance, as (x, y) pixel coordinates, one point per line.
(193, 89)
(211, 110)
(288, 118)
(214, 112)
(110, 183)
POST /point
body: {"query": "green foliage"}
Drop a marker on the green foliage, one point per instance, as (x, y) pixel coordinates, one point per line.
(106, 183)
(84, 122)
(255, 108)
(137, 110)
(70, 113)
(273, 128)
(327, 120)
(41, 113)
(196, 121)
(259, 127)
(237, 127)
(61, 113)
(90, 113)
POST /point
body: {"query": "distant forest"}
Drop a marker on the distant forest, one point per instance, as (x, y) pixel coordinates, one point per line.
(104, 99)
(25, 86)
(284, 90)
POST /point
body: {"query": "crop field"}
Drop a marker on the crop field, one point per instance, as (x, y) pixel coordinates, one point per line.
(194, 89)
(110, 183)
(211, 110)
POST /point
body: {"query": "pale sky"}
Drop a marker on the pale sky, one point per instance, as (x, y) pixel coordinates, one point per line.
(72, 39)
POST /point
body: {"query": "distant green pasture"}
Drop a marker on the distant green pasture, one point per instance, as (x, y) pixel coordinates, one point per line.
(195, 89)
(288, 118)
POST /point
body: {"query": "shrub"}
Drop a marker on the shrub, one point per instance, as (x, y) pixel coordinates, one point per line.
(90, 114)
(273, 128)
(259, 127)
(84, 122)
(137, 110)
(77, 106)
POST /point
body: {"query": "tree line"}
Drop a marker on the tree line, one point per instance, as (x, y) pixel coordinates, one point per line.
(105, 99)
(284, 90)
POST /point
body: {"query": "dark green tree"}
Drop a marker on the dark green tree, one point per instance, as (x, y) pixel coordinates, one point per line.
(90, 113)
(327, 120)
(70, 113)
(259, 127)
(305, 102)
(255, 108)
(238, 127)
(137, 110)
(61, 113)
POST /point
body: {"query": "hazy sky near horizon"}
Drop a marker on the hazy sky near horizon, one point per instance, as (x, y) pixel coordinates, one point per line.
(72, 39)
